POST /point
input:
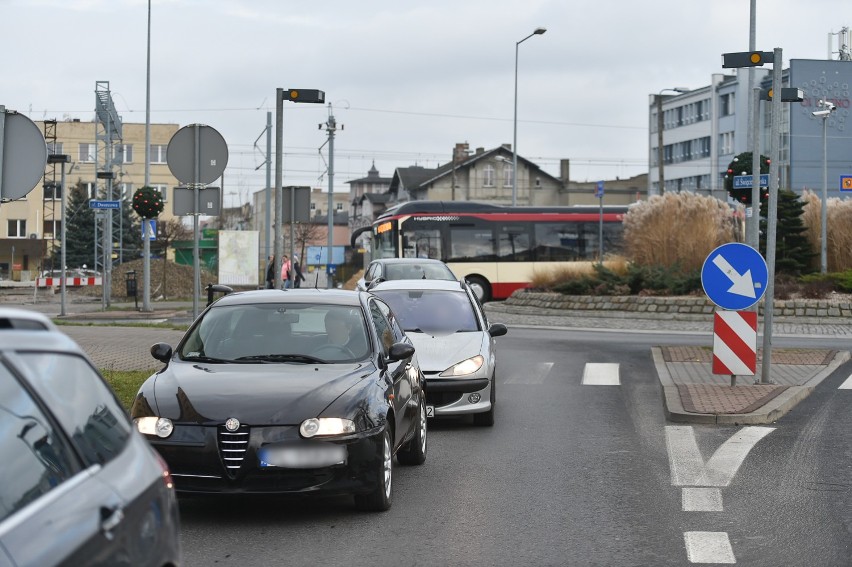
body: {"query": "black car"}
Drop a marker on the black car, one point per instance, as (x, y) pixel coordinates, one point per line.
(288, 391)
(78, 486)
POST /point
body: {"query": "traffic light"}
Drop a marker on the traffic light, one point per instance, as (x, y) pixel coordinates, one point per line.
(747, 59)
(305, 95)
(788, 94)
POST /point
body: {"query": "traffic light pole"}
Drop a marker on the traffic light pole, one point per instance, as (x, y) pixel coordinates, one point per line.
(771, 217)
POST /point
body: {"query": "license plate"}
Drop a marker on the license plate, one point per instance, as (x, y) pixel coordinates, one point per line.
(310, 457)
(430, 411)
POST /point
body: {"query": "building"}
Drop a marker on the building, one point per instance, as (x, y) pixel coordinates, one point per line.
(704, 129)
(30, 227)
(371, 190)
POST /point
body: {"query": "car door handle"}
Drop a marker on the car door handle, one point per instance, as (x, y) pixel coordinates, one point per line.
(110, 518)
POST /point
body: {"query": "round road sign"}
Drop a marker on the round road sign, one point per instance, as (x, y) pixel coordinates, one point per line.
(211, 154)
(24, 155)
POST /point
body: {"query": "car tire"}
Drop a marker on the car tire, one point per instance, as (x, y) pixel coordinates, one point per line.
(414, 452)
(486, 419)
(480, 287)
(380, 499)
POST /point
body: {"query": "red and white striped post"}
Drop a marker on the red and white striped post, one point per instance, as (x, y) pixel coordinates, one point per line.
(735, 343)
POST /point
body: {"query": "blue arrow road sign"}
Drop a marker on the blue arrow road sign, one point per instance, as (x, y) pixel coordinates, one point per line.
(95, 204)
(599, 189)
(744, 181)
(734, 276)
(152, 228)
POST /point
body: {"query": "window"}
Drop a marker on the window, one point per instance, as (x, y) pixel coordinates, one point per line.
(471, 245)
(17, 228)
(726, 143)
(383, 328)
(35, 457)
(421, 242)
(54, 148)
(338, 207)
(163, 189)
(84, 405)
(557, 242)
(726, 104)
(52, 190)
(313, 206)
(125, 191)
(513, 244)
(507, 175)
(91, 189)
(52, 228)
(157, 153)
(123, 153)
(488, 177)
(87, 153)
(398, 334)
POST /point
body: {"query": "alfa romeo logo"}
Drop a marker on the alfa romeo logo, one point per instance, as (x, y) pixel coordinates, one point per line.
(232, 424)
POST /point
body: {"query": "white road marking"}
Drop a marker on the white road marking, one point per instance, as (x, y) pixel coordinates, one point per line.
(688, 467)
(847, 384)
(701, 500)
(601, 374)
(536, 374)
(708, 547)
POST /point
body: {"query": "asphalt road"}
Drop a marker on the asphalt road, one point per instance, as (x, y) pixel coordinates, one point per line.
(574, 474)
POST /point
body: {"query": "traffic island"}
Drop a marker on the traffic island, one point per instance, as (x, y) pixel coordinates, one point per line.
(693, 394)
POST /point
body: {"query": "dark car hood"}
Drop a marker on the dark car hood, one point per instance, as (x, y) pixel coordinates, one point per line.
(255, 394)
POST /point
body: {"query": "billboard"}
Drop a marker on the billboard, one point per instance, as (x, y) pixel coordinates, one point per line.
(318, 255)
(820, 80)
(239, 253)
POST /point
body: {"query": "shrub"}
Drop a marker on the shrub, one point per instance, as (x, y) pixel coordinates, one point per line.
(677, 229)
(839, 215)
(817, 289)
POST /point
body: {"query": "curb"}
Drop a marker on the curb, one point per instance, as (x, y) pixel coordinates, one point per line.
(772, 411)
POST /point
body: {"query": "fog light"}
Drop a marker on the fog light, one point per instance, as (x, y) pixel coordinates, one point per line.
(474, 398)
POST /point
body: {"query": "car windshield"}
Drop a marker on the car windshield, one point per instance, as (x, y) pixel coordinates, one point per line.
(431, 310)
(276, 333)
(417, 271)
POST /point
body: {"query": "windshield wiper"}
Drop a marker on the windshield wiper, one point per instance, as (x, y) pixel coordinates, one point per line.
(417, 330)
(283, 358)
(210, 359)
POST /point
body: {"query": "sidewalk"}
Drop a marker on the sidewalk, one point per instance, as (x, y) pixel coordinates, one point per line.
(691, 393)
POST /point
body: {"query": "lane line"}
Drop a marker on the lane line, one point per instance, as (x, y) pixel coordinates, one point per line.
(708, 547)
(536, 374)
(847, 384)
(601, 374)
(688, 467)
(701, 500)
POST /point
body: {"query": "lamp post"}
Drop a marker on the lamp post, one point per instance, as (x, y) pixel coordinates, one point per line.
(60, 159)
(660, 174)
(826, 108)
(538, 31)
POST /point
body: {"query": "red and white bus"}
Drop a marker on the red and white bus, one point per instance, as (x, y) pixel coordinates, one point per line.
(497, 249)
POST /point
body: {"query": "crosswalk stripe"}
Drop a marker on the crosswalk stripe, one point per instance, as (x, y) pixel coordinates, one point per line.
(536, 374)
(708, 547)
(601, 374)
(847, 384)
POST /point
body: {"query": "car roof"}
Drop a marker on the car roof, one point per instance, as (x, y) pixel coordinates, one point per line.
(23, 329)
(408, 261)
(300, 295)
(440, 285)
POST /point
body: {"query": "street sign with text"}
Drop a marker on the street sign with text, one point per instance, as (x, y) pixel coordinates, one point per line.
(102, 205)
(745, 181)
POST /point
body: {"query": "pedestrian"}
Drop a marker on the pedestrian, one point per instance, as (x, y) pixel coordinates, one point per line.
(286, 280)
(298, 277)
(270, 273)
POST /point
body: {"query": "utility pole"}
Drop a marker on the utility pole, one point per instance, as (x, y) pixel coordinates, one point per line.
(331, 128)
(146, 241)
(268, 183)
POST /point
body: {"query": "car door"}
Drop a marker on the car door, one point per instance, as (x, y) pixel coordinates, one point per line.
(142, 519)
(395, 372)
(51, 505)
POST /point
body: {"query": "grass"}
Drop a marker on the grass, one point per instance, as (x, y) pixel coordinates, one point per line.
(125, 383)
(170, 326)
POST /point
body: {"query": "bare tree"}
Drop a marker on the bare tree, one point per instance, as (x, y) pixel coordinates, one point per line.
(167, 234)
(308, 234)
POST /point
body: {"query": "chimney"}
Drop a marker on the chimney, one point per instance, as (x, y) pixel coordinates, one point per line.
(480, 151)
(565, 170)
(460, 152)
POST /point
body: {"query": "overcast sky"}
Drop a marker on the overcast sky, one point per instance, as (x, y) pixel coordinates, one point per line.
(407, 80)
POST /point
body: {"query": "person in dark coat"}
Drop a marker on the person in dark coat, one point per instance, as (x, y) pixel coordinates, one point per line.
(298, 278)
(270, 273)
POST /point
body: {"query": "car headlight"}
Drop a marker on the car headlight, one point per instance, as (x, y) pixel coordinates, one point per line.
(464, 367)
(159, 426)
(314, 427)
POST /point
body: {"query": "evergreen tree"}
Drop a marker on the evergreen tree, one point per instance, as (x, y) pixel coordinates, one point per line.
(131, 229)
(793, 253)
(79, 230)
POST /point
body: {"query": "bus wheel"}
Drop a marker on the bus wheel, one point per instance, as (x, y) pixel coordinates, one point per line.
(480, 287)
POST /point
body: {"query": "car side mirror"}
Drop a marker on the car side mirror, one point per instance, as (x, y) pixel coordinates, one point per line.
(400, 351)
(162, 352)
(498, 330)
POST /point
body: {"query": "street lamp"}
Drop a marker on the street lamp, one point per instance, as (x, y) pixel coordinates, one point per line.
(538, 31)
(659, 96)
(60, 159)
(826, 108)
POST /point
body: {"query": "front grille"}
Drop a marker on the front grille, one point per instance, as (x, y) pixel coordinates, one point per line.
(232, 448)
(439, 399)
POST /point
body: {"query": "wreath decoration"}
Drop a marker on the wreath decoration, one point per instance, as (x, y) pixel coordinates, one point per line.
(147, 202)
(741, 165)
